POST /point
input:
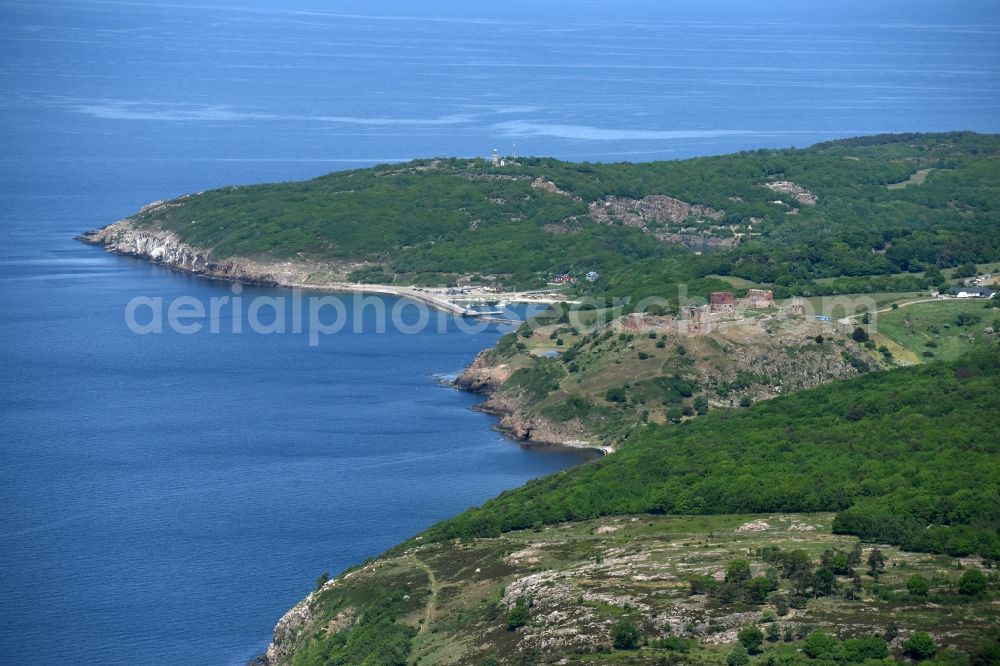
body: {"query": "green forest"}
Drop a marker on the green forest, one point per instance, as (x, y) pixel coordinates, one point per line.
(886, 209)
(907, 457)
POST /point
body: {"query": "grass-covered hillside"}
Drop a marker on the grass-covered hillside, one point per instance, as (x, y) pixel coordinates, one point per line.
(776, 589)
(941, 329)
(909, 457)
(890, 206)
(569, 378)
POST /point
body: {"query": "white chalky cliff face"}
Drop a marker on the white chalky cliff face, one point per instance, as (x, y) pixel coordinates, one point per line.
(164, 247)
(158, 245)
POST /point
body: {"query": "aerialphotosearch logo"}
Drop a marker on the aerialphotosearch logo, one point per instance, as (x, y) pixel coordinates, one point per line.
(314, 315)
(318, 315)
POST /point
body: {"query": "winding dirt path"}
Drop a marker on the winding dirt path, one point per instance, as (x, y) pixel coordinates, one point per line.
(903, 305)
(432, 602)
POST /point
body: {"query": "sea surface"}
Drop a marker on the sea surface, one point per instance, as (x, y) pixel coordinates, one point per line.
(164, 498)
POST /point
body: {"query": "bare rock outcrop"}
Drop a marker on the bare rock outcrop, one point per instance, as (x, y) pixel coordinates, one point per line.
(164, 247)
(653, 212)
(482, 376)
(651, 208)
(754, 526)
(524, 425)
(797, 192)
(540, 183)
(287, 632)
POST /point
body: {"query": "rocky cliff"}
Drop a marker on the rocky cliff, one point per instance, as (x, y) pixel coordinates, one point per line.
(516, 419)
(520, 422)
(483, 375)
(164, 247)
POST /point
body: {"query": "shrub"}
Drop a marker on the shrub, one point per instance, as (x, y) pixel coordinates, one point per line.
(738, 657)
(918, 586)
(858, 650)
(824, 582)
(798, 601)
(781, 606)
(758, 588)
(876, 563)
(615, 395)
(675, 644)
(967, 319)
(839, 563)
(738, 572)
(625, 635)
(751, 638)
(920, 646)
(518, 616)
(820, 646)
(972, 583)
(701, 584)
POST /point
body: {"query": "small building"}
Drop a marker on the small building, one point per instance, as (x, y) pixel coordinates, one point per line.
(970, 292)
(758, 299)
(498, 160)
(695, 320)
(565, 278)
(592, 276)
(722, 302)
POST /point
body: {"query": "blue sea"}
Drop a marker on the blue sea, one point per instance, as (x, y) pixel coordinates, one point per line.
(164, 498)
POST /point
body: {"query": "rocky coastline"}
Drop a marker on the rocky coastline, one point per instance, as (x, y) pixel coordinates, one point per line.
(486, 377)
(165, 248)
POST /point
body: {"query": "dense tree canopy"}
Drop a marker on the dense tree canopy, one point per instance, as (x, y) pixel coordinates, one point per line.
(916, 464)
(892, 204)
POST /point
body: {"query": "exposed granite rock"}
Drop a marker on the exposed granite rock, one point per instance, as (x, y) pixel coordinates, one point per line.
(754, 526)
(651, 208)
(652, 212)
(286, 634)
(482, 376)
(799, 193)
(523, 425)
(548, 186)
(166, 248)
